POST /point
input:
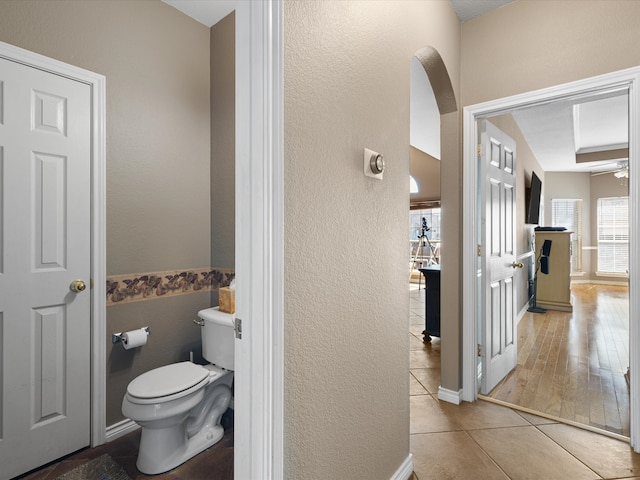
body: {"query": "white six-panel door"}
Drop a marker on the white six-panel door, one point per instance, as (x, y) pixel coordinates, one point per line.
(45, 245)
(498, 254)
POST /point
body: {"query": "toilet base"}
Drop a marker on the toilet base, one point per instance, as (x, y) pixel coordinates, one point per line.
(162, 450)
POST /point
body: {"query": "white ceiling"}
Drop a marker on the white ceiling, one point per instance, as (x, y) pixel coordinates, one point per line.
(557, 131)
(207, 12)
(424, 119)
(468, 9)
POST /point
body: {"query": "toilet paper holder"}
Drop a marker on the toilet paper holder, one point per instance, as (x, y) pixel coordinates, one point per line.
(118, 338)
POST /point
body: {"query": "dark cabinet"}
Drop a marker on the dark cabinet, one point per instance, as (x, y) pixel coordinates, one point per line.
(431, 301)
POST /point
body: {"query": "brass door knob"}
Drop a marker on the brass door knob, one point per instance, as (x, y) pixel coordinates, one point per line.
(77, 286)
(517, 265)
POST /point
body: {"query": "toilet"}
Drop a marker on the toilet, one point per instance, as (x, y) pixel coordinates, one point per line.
(179, 406)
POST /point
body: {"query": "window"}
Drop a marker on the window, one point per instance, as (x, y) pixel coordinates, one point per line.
(567, 212)
(424, 252)
(432, 217)
(613, 236)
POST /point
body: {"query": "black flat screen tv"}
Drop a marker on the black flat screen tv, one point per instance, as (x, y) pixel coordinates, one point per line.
(533, 204)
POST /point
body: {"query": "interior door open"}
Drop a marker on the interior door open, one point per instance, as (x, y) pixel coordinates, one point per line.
(45, 267)
(497, 157)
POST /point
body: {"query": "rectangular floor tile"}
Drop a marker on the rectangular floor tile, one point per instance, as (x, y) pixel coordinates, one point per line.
(451, 455)
(480, 414)
(524, 453)
(429, 415)
(608, 457)
(428, 377)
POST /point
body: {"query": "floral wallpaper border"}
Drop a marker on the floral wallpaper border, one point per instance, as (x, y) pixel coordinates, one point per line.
(136, 287)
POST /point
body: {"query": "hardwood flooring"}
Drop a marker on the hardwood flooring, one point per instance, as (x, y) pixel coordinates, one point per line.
(572, 365)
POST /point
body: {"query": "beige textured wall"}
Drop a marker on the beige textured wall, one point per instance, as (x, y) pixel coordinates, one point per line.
(156, 62)
(223, 144)
(532, 44)
(223, 138)
(347, 67)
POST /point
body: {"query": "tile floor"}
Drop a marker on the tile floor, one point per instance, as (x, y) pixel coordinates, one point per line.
(476, 441)
(483, 440)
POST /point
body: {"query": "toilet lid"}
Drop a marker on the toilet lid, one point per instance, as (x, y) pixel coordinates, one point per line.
(167, 380)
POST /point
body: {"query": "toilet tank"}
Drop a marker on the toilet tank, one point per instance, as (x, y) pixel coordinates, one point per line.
(218, 337)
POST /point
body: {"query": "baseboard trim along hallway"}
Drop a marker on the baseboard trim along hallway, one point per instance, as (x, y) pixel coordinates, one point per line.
(405, 470)
(450, 396)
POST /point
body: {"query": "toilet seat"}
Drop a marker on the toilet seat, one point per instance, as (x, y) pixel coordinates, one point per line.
(168, 383)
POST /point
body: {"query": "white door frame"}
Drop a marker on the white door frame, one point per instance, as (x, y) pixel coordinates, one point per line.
(630, 79)
(259, 262)
(98, 222)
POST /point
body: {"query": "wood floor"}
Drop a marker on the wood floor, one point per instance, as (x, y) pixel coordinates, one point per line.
(572, 365)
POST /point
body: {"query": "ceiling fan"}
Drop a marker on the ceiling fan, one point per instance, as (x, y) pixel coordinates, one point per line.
(621, 170)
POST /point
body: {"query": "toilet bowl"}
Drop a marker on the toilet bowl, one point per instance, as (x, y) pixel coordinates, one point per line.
(179, 406)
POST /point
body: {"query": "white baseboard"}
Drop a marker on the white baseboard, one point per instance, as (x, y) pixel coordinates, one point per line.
(405, 470)
(126, 426)
(450, 396)
(624, 283)
(120, 429)
(522, 312)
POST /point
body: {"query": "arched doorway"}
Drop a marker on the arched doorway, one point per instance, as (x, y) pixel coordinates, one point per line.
(432, 96)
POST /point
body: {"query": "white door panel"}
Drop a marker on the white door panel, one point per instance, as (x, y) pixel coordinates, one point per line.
(44, 245)
(498, 255)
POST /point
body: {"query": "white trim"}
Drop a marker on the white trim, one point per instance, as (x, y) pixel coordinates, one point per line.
(611, 274)
(451, 396)
(98, 221)
(599, 282)
(470, 274)
(259, 355)
(555, 419)
(120, 429)
(522, 311)
(622, 80)
(405, 470)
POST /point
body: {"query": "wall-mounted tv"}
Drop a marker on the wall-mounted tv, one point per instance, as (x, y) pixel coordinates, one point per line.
(533, 202)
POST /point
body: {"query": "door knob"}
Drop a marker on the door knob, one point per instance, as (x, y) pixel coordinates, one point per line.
(517, 265)
(77, 286)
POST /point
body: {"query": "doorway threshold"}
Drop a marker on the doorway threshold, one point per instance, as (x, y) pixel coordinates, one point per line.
(565, 421)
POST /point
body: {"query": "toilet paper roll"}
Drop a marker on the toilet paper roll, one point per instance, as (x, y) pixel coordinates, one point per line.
(134, 338)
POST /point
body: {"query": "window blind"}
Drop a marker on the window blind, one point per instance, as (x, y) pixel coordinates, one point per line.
(567, 212)
(613, 235)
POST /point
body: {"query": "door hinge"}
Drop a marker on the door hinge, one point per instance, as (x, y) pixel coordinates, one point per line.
(237, 327)
(479, 250)
(479, 150)
(479, 350)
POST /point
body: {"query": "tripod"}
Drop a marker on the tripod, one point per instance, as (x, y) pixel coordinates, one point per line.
(423, 241)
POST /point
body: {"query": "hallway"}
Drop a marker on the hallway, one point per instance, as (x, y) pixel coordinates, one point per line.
(483, 440)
